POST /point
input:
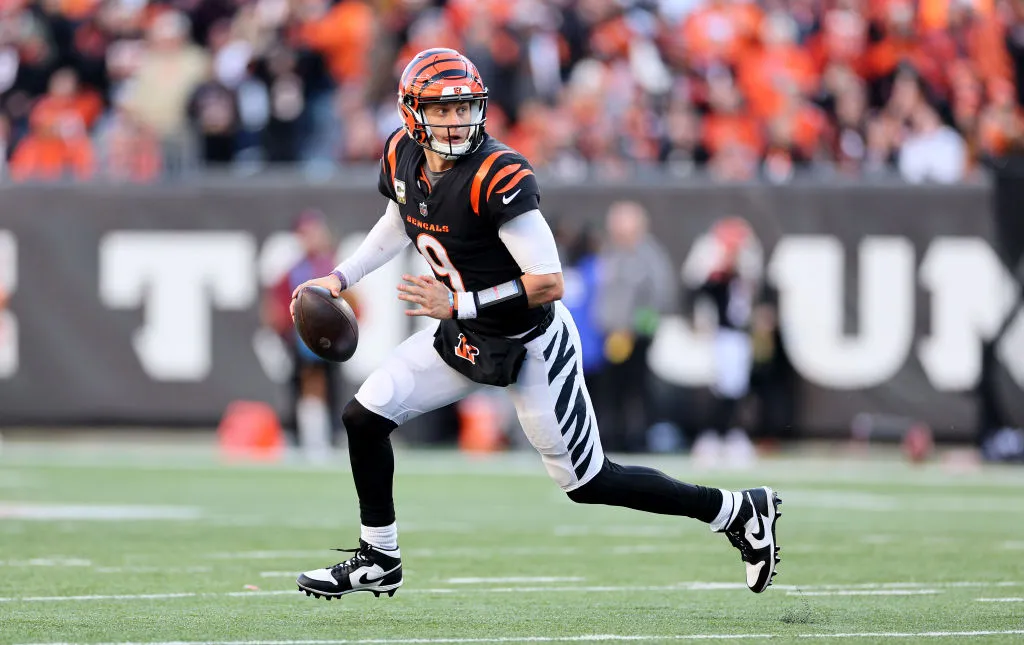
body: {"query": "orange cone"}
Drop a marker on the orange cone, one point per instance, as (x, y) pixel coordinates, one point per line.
(479, 425)
(250, 430)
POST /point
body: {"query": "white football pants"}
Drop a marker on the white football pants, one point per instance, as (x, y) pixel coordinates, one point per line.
(550, 396)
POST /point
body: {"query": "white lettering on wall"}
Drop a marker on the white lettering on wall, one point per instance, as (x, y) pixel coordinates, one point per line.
(177, 278)
(971, 295)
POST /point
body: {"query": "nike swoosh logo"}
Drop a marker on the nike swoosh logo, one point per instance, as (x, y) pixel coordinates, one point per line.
(759, 533)
(508, 198)
(758, 536)
(365, 580)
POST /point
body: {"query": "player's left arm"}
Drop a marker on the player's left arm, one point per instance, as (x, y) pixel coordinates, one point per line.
(531, 243)
(512, 200)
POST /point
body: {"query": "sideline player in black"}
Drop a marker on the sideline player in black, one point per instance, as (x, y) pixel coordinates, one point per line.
(470, 205)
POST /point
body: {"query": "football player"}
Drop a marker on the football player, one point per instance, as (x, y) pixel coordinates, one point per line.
(471, 207)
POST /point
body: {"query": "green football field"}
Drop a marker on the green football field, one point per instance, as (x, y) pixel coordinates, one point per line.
(154, 543)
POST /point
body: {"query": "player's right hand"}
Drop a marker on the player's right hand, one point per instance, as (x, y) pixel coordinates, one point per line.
(330, 282)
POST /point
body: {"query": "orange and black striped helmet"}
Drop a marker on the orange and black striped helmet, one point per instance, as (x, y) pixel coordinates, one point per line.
(442, 76)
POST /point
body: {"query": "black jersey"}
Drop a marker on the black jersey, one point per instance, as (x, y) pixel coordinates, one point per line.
(454, 224)
(733, 297)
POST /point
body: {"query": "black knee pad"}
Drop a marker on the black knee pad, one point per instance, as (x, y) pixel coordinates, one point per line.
(596, 490)
(358, 419)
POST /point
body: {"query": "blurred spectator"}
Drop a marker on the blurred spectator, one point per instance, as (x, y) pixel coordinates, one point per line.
(636, 287)
(66, 105)
(170, 70)
(127, 151)
(595, 88)
(314, 386)
(581, 271)
(773, 380)
(682, 151)
(282, 134)
(54, 149)
(1001, 122)
(731, 291)
(932, 151)
(213, 112)
(732, 135)
(1015, 46)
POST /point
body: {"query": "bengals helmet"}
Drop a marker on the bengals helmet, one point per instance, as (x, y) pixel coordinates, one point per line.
(442, 76)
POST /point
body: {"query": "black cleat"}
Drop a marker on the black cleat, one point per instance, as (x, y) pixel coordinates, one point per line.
(370, 569)
(752, 531)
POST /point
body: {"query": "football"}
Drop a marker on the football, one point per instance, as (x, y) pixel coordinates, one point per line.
(327, 325)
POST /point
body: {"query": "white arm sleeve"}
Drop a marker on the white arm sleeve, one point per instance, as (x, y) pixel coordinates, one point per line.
(530, 241)
(384, 241)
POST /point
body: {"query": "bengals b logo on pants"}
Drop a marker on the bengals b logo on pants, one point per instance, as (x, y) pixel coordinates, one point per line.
(465, 350)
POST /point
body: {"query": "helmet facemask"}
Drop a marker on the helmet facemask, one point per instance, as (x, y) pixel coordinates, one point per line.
(471, 133)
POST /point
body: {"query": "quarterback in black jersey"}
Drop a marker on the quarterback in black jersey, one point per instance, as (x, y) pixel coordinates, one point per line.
(454, 224)
(471, 207)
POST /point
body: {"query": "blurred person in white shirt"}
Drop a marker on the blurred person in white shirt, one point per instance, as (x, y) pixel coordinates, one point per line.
(171, 68)
(933, 151)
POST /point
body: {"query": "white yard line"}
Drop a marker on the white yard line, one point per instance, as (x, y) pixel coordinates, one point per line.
(147, 596)
(867, 592)
(999, 599)
(915, 634)
(403, 641)
(48, 561)
(883, 588)
(481, 581)
(65, 561)
(95, 512)
(583, 638)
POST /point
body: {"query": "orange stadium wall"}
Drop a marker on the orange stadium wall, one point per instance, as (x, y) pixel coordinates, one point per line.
(140, 306)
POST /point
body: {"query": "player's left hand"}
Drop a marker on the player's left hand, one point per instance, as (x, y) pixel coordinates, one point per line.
(429, 293)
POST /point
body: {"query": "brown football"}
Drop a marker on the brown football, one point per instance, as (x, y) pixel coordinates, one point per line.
(327, 325)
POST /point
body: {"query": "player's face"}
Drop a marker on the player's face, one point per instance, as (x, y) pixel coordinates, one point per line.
(449, 114)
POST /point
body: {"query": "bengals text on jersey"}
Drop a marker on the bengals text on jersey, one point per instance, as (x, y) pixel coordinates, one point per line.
(454, 223)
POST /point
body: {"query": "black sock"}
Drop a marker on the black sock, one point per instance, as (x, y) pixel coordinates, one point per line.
(373, 463)
(649, 490)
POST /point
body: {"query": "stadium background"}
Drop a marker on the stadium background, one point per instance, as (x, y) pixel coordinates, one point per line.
(159, 158)
(158, 154)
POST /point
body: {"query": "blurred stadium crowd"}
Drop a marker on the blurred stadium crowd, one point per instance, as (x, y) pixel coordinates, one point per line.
(137, 90)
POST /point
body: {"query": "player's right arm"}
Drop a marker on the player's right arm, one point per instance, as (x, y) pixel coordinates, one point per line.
(385, 240)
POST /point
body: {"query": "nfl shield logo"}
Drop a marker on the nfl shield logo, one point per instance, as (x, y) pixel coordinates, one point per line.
(423, 209)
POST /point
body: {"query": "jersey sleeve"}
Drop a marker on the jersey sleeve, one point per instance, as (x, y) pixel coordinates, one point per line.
(504, 187)
(389, 166)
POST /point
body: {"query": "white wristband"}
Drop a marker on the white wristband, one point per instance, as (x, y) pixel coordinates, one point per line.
(465, 303)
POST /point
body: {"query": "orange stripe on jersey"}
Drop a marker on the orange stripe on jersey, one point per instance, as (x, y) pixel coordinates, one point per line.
(426, 180)
(393, 155)
(526, 172)
(481, 174)
(501, 174)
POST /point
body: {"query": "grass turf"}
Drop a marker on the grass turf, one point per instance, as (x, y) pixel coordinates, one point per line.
(144, 543)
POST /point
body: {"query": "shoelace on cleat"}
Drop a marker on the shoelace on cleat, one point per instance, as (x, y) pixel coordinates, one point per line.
(738, 541)
(356, 561)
